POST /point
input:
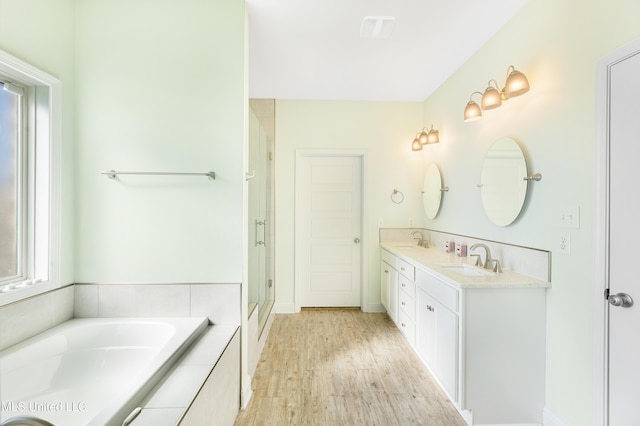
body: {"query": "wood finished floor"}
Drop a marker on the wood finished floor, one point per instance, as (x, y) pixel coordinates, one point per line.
(343, 367)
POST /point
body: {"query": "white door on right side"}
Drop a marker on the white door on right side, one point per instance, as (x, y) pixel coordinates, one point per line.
(624, 235)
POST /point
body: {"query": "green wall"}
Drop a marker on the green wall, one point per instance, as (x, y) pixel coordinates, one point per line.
(161, 87)
(384, 131)
(557, 47)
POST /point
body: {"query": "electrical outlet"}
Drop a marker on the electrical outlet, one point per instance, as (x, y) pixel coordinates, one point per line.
(569, 216)
(564, 242)
(380, 222)
(410, 222)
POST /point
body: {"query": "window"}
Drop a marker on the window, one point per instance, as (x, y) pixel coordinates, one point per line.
(10, 185)
(29, 180)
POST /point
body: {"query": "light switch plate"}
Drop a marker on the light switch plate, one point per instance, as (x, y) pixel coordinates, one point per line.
(569, 216)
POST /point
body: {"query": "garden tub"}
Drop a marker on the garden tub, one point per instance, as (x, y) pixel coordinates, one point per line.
(91, 371)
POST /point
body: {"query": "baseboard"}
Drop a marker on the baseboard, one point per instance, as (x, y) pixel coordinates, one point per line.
(551, 419)
(510, 424)
(283, 308)
(265, 333)
(374, 308)
(289, 308)
(246, 393)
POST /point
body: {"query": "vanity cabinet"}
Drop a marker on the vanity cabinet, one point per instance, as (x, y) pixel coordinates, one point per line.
(483, 340)
(389, 284)
(485, 346)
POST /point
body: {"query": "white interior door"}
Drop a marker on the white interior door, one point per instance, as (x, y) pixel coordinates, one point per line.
(328, 230)
(624, 234)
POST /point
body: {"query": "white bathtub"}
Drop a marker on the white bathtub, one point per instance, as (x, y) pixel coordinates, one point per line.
(91, 371)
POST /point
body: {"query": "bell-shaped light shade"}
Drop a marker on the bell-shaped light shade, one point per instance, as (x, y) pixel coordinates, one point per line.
(416, 145)
(492, 98)
(472, 112)
(433, 136)
(423, 136)
(516, 84)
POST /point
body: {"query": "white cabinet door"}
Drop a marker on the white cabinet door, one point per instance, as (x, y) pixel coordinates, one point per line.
(384, 284)
(437, 341)
(424, 327)
(393, 295)
(445, 364)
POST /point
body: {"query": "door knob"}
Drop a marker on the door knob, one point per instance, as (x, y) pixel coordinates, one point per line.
(356, 240)
(621, 299)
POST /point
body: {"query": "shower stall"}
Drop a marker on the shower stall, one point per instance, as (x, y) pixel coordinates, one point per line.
(261, 213)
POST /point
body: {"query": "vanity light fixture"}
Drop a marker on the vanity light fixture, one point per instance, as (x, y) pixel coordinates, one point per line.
(433, 136)
(425, 137)
(515, 85)
(492, 97)
(416, 145)
(472, 111)
(429, 136)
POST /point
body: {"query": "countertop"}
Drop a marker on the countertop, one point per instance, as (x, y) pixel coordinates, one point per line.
(434, 261)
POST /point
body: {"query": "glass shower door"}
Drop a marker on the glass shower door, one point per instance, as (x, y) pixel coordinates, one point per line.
(261, 292)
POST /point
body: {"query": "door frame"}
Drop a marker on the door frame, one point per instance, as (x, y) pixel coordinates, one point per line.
(600, 413)
(364, 271)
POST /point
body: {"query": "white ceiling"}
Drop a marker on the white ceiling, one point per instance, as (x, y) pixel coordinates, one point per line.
(311, 49)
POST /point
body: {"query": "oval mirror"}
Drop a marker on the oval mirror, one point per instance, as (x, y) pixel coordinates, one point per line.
(431, 190)
(503, 187)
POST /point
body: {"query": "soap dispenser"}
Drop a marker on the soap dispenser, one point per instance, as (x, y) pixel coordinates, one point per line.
(449, 246)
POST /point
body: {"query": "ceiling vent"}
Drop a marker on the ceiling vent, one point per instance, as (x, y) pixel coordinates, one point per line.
(377, 26)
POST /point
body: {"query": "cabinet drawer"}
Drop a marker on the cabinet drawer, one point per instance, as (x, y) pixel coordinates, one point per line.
(406, 269)
(441, 291)
(408, 305)
(407, 286)
(389, 258)
(408, 327)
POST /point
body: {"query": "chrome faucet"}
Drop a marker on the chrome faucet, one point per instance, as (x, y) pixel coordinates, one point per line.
(421, 241)
(487, 258)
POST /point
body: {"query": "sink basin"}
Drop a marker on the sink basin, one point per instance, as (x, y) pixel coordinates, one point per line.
(415, 245)
(467, 270)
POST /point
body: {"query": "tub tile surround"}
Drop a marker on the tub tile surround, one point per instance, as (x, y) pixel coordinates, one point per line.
(522, 260)
(25, 318)
(168, 401)
(219, 302)
(158, 417)
(173, 392)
